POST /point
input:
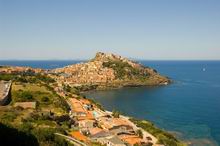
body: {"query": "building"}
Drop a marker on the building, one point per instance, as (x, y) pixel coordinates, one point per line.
(86, 123)
(109, 122)
(131, 139)
(77, 107)
(79, 136)
(95, 130)
(78, 110)
(5, 90)
(115, 141)
(122, 129)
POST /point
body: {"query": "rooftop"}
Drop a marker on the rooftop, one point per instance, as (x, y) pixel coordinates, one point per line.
(131, 139)
(116, 140)
(78, 135)
(95, 130)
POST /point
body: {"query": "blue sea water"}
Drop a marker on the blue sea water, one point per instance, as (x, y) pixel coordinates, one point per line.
(189, 107)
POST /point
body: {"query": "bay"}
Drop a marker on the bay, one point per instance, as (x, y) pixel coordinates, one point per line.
(189, 107)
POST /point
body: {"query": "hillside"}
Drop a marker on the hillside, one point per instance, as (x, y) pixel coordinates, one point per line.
(109, 70)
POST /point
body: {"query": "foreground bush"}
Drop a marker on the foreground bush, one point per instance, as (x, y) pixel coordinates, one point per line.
(10, 136)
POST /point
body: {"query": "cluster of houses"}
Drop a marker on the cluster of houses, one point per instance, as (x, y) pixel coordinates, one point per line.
(18, 70)
(95, 125)
(91, 72)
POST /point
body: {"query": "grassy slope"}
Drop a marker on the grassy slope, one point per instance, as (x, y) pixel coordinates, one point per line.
(30, 121)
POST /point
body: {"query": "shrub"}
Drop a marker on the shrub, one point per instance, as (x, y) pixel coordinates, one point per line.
(11, 136)
(115, 114)
(139, 133)
(25, 127)
(47, 135)
(123, 70)
(6, 77)
(8, 117)
(61, 102)
(23, 96)
(97, 104)
(45, 99)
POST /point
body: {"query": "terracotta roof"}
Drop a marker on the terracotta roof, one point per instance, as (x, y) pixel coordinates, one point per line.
(95, 130)
(85, 101)
(120, 121)
(131, 139)
(76, 105)
(111, 122)
(79, 136)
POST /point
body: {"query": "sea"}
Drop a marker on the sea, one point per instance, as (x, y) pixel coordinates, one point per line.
(189, 107)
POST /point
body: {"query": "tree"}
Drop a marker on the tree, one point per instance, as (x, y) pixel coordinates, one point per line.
(116, 114)
(26, 95)
(139, 133)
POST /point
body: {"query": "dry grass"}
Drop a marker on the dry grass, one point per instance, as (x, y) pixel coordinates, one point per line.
(29, 87)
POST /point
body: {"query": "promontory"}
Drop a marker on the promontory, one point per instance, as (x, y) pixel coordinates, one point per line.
(109, 71)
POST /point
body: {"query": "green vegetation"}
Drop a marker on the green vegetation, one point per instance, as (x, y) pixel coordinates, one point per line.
(44, 78)
(12, 136)
(38, 124)
(7, 77)
(139, 133)
(46, 136)
(45, 97)
(27, 78)
(115, 114)
(22, 96)
(124, 70)
(86, 88)
(60, 102)
(72, 90)
(97, 104)
(164, 138)
(8, 116)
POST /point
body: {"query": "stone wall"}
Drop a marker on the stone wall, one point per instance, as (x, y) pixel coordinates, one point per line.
(5, 99)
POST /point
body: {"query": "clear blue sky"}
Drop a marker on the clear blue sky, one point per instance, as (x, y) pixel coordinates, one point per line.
(77, 29)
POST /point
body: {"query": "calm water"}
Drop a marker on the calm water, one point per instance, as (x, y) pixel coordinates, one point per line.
(190, 106)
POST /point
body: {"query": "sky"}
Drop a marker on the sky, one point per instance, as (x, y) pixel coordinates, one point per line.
(141, 29)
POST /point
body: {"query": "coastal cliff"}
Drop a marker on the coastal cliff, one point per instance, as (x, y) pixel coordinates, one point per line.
(109, 71)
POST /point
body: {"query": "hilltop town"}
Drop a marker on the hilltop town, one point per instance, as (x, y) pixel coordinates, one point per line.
(48, 105)
(109, 71)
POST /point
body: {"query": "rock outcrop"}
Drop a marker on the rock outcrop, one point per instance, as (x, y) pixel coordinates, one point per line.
(109, 70)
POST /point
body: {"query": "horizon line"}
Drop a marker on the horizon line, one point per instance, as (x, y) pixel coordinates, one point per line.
(135, 59)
